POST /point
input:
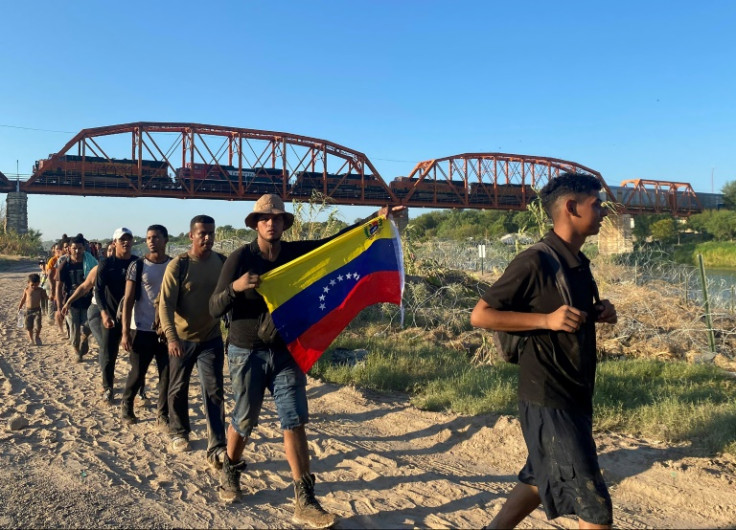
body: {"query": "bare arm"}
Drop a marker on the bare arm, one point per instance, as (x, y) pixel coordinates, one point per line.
(566, 318)
(83, 288)
(22, 299)
(128, 302)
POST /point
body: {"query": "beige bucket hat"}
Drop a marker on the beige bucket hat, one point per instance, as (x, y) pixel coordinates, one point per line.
(269, 204)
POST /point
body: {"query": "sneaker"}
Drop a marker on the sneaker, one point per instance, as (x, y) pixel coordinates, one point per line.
(307, 509)
(38, 341)
(127, 416)
(229, 490)
(106, 394)
(79, 358)
(179, 444)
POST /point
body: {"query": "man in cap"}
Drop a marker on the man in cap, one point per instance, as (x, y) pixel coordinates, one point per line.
(109, 291)
(259, 359)
(194, 338)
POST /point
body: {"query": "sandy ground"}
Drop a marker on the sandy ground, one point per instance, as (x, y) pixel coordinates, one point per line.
(380, 463)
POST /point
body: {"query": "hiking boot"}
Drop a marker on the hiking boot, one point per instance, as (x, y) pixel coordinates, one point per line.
(307, 510)
(229, 490)
(127, 415)
(179, 444)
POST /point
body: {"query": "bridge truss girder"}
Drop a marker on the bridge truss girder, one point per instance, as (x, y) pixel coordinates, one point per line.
(283, 160)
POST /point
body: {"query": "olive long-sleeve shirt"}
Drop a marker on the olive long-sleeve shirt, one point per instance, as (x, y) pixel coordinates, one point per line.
(183, 308)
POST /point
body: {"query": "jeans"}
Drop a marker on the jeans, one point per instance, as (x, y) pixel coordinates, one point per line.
(146, 347)
(76, 319)
(94, 321)
(252, 372)
(209, 357)
(109, 346)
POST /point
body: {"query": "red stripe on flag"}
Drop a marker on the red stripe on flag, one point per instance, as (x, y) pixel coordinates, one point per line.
(372, 289)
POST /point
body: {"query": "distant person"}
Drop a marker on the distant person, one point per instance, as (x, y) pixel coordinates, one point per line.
(64, 243)
(71, 275)
(109, 290)
(558, 361)
(142, 287)
(258, 363)
(194, 338)
(33, 298)
(51, 279)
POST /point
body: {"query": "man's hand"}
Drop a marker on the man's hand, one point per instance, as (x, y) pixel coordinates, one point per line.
(566, 318)
(249, 280)
(125, 341)
(606, 312)
(385, 210)
(175, 349)
(64, 309)
(107, 320)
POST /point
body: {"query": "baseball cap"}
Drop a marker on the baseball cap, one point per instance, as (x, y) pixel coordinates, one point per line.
(120, 232)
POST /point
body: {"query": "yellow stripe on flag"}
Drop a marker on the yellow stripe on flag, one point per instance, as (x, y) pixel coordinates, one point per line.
(287, 280)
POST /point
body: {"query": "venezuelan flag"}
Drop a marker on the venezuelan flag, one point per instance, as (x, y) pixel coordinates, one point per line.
(313, 298)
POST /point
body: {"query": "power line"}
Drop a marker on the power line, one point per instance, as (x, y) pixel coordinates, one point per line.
(34, 129)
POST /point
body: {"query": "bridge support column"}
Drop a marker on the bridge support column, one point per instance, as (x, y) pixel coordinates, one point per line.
(401, 219)
(615, 236)
(16, 212)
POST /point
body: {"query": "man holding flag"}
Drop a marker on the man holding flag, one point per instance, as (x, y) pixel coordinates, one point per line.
(361, 265)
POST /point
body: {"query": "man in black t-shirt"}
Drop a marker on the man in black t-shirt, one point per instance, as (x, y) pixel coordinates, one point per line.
(109, 291)
(558, 362)
(70, 275)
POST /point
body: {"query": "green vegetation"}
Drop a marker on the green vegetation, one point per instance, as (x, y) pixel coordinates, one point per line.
(14, 244)
(672, 401)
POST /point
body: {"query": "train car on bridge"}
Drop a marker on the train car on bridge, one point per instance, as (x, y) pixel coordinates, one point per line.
(225, 178)
(103, 173)
(428, 190)
(341, 186)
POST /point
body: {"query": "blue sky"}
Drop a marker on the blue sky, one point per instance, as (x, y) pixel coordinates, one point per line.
(631, 89)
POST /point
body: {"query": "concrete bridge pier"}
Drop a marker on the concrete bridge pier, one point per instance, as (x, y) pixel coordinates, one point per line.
(615, 236)
(16, 212)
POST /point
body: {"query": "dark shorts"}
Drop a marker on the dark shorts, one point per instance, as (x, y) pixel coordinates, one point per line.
(33, 319)
(563, 463)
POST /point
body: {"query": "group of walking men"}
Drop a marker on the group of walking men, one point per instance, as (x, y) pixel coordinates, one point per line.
(189, 294)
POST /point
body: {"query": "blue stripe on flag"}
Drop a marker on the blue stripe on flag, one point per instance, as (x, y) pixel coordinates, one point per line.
(309, 306)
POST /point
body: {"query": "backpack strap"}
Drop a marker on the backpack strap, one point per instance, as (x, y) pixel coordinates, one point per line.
(560, 277)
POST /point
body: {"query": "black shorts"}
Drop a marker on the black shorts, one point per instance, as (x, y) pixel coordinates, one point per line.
(563, 463)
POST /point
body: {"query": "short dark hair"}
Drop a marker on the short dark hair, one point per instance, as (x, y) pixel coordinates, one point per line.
(34, 278)
(568, 184)
(77, 240)
(203, 219)
(159, 228)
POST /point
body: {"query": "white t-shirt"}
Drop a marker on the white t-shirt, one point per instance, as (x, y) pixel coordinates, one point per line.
(152, 276)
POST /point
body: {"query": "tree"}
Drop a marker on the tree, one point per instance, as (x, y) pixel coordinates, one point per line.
(729, 194)
(664, 230)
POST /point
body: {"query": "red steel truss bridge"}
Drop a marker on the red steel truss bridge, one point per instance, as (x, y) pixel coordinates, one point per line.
(186, 160)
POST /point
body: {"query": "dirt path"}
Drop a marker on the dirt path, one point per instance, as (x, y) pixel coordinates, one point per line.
(380, 462)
